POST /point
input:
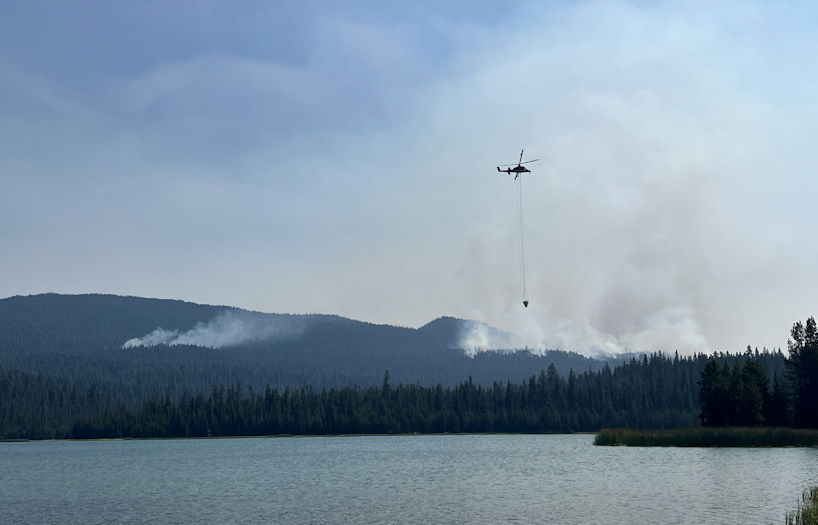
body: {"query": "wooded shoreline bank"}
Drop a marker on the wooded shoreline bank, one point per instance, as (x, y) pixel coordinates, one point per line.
(276, 436)
(709, 437)
(705, 437)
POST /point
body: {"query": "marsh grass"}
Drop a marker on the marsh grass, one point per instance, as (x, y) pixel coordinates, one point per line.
(710, 437)
(807, 513)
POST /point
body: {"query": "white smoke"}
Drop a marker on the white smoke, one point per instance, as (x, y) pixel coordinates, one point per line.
(477, 337)
(228, 328)
(160, 336)
(653, 219)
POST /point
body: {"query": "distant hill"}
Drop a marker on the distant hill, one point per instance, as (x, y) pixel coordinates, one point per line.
(82, 337)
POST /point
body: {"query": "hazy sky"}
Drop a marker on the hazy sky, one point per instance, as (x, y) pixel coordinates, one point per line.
(308, 157)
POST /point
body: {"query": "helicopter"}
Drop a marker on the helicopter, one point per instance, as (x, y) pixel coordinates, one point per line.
(517, 169)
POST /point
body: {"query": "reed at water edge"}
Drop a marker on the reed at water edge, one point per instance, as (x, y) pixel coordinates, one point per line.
(710, 437)
(807, 513)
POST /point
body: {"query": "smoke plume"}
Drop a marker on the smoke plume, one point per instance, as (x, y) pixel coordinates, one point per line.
(654, 218)
(477, 337)
(228, 328)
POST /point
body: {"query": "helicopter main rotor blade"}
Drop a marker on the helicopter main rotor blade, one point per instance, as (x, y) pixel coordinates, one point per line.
(521, 156)
(532, 160)
(508, 165)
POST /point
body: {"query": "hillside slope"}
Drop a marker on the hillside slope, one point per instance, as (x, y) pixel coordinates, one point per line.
(82, 336)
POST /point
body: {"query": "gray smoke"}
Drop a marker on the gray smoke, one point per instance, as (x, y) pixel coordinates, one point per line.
(477, 337)
(227, 328)
(654, 219)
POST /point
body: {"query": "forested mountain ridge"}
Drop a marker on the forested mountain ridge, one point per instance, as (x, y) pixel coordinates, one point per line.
(90, 323)
(82, 336)
(90, 365)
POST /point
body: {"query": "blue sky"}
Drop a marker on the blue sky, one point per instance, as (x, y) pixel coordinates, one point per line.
(326, 158)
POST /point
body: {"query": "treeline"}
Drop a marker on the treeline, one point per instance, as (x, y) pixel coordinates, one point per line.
(746, 395)
(545, 403)
(41, 407)
(655, 391)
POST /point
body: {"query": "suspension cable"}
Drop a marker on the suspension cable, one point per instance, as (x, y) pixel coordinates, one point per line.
(522, 236)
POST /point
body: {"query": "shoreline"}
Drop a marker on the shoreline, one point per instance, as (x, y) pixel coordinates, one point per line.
(710, 437)
(404, 434)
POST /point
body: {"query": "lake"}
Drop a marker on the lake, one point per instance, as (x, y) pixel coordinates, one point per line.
(397, 479)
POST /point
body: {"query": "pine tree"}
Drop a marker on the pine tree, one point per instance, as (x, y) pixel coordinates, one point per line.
(714, 395)
(775, 407)
(802, 366)
(751, 389)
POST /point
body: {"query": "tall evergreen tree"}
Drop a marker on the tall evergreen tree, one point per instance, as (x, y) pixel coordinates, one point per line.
(775, 406)
(714, 395)
(751, 390)
(802, 366)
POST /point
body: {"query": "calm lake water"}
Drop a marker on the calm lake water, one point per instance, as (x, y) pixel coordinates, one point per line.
(397, 479)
